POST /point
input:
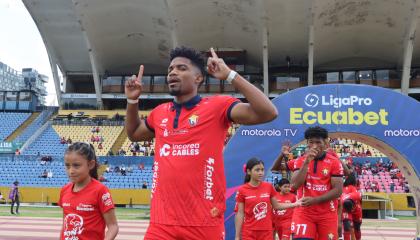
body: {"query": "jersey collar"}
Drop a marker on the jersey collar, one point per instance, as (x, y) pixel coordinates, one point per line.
(188, 104)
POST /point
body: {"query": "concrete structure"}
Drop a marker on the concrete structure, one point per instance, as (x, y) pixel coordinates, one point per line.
(285, 44)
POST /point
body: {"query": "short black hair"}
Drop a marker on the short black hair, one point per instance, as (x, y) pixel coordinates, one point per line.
(283, 181)
(348, 205)
(316, 132)
(196, 58)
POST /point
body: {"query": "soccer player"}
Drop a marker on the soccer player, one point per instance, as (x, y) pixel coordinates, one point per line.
(282, 219)
(256, 200)
(188, 184)
(318, 174)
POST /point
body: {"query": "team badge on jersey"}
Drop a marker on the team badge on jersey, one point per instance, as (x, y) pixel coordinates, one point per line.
(331, 236)
(193, 120)
(325, 171)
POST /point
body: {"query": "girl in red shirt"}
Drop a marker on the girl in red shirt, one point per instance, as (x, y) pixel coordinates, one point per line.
(255, 201)
(87, 204)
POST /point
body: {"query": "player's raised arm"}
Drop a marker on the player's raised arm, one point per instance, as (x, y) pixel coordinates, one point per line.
(136, 128)
(259, 108)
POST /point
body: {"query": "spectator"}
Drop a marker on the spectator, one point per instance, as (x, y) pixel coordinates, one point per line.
(69, 141)
(406, 188)
(93, 130)
(97, 129)
(62, 140)
(100, 146)
(92, 138)
(49, 174)
(123, 171)
(129, 169)
(144, 186)
(14, 196)
(44, 174)
(141, 166)
(17, 152)
(392, 186)
(110, 153)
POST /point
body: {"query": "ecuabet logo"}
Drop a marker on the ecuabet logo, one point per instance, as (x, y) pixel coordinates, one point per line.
(311, 100)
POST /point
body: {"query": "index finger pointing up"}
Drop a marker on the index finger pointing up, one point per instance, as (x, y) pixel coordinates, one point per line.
(213, 53)
(140, 75)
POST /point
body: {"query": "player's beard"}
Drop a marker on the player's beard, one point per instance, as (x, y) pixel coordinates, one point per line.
(175, 92)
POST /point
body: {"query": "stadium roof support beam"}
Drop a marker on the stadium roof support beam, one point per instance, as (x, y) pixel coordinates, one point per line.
(174, 36)
(408, 51)
(92, 58)
(54, 71)
(311, 56)
(311, 46)
(96, 78)
(265, 59)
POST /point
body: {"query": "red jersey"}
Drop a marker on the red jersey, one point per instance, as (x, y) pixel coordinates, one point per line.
(318, 181)
(257, 205)
(291, 164)
(356, 213)
(349, 189)
(83, 210)
(286, 214)
(188, 183)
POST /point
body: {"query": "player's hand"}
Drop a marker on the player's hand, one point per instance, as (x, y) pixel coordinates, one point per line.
(217, 67)
(311, 154)
(308, 201)
(285, 150)
(298, 203)
(133, 85)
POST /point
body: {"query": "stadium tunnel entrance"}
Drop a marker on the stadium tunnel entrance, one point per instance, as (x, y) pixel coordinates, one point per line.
(381, 118)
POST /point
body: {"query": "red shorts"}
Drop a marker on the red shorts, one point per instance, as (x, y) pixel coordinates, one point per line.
(172, 232)
(256, 234)
(283, 229)
(315, 226)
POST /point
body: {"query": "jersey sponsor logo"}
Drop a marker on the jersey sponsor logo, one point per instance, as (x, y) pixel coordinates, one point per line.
(85, 207)
(264, 195)
(164, 122)
(193, 120)
(249, 197)
(106, 199)
(208, 179)
(73, 227)
(313, 177)
(319, 187)
(164, 150)
(154, 178)
(66, 204)
(192, 149)
(260, 210)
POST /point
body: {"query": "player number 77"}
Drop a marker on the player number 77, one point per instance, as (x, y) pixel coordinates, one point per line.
(299, 226)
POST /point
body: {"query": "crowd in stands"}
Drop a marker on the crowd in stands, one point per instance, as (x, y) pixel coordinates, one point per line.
(380, 176)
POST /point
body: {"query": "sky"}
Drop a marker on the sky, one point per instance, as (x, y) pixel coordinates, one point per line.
(21, 45)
